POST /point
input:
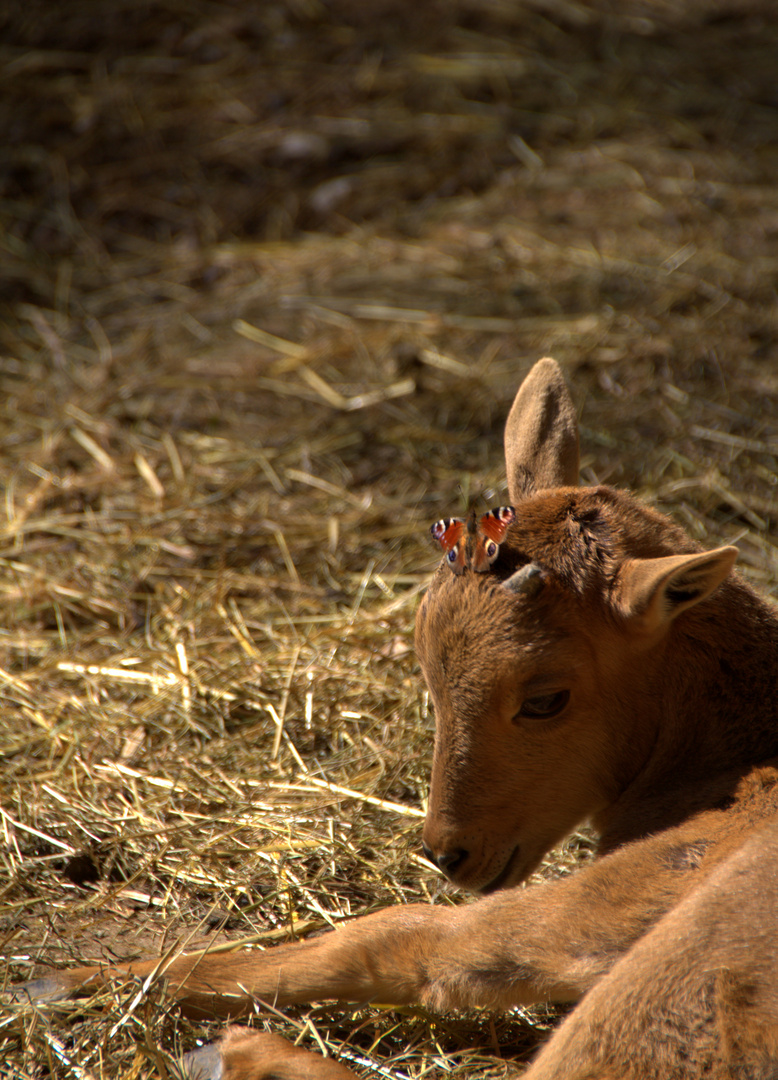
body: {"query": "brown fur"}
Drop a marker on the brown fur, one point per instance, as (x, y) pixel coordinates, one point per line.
(662, 668)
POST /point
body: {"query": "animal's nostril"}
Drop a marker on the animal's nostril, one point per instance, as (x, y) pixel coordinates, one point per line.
(450, 861)
(447, 861)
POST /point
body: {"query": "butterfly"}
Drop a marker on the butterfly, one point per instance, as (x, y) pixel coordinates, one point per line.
(474, 541)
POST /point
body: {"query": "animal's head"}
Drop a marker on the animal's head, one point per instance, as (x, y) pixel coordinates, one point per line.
(545, 666)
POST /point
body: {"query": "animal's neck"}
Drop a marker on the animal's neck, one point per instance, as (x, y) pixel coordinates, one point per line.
(719, 717)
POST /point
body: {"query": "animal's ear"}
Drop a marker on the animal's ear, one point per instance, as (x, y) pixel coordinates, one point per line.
(655, 591)
(541, 434)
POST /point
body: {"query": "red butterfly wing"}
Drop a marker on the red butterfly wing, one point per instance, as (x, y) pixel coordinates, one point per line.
(495, 523)
(450, 534)
(491, 532)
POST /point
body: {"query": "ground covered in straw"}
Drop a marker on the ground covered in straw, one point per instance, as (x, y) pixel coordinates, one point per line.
(270, 275)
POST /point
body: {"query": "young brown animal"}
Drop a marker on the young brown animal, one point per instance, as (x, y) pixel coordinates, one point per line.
(603, 668)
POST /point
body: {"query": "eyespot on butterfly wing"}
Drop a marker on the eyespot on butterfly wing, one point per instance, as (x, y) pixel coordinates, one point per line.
(491, 530)
(450, 534)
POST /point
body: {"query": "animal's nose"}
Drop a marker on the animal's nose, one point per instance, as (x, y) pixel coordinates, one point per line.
(446, 861)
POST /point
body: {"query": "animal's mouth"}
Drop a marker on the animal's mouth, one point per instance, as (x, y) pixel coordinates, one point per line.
(502, 878)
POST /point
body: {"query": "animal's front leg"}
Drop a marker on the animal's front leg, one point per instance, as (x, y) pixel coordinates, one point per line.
(550, 942)
(546, 943)
(382, 957)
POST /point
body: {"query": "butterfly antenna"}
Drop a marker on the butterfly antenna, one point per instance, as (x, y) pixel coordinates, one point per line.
(464, 495)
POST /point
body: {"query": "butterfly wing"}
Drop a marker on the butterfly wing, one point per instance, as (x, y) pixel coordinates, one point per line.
(495, 523)
(450, 534)
(492, 528)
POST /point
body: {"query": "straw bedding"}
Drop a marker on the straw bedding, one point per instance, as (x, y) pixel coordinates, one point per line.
(270, 275)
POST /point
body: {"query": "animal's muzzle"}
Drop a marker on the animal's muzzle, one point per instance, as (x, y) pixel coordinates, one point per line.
(448, 862)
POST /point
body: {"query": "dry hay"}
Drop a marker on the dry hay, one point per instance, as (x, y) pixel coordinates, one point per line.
(270, 275)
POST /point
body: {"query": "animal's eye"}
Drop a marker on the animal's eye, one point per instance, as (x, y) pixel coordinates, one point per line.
(543, 707)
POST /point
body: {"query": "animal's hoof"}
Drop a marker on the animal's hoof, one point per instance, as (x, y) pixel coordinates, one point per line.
(203, 1064)
(36, 992)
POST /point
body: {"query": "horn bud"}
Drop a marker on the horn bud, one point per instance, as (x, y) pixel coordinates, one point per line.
(527, 581)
